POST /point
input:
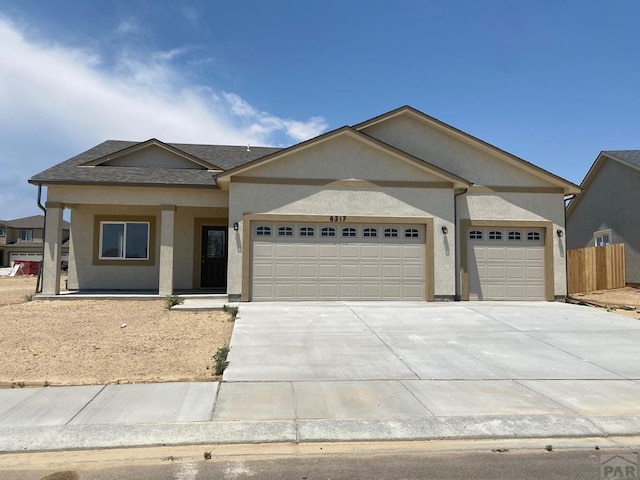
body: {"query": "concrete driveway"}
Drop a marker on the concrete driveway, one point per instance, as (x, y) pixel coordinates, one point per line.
(376, 371)
(418, 341)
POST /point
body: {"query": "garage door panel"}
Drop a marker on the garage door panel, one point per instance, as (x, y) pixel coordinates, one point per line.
(310, 251)
(534, 254)
(392, 252)
(369, 271)
(535, 273)
(307, 270)
(515, 273)
(370, 251)
(357, 267)
(495, 272)
(328, 251)
(495, 254)
(515, 292)
(286, 270)
(284, 250)
(515, 254)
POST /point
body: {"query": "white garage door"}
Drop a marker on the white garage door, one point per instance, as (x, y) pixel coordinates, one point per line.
(505, 263)
(337, 261)
(32, 257)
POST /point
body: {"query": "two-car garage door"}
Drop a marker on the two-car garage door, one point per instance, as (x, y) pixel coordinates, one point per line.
(337, 261)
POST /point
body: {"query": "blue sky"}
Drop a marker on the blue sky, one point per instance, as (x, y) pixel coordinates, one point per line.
(553, 82)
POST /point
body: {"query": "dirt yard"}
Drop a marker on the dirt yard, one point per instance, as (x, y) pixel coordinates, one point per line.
(79, 342)
(617, 300)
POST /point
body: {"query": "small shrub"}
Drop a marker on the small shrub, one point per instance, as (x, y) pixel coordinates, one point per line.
(173, 300)
(549, 448)
(220, 360)
(28, 297)
(231, 310)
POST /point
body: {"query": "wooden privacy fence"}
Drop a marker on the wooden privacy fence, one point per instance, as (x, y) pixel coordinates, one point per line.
(595, 268)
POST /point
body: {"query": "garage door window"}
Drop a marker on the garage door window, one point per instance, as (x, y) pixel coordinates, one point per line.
(495, 235)
(391, 232)
(328, 232)
(411, 233)
(307, 231)
(475, 235)
(348, 232)
(370, 232)
(533, 236)
(515, 236)
(285, 231)
(263, 231)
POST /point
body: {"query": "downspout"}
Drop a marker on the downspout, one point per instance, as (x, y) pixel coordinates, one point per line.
(456, 242)
(44, 236)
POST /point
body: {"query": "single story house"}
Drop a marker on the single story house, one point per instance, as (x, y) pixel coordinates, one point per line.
(399, 207)
(608, 210)
(21, 239)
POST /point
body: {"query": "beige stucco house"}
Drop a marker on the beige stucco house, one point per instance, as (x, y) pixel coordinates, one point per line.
(399, 207)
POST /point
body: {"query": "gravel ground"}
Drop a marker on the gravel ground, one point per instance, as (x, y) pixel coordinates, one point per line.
(79, 342)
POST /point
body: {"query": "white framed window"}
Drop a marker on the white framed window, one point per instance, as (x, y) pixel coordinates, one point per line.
(285, 231)
(514, 236)
(370, 232)
(475, 235)
(124, 240)
(307, 231)
(495, 235)
(26, 234)
(263, 231)
(328, 232)
(349, 232)
(391, 232)
(533, 236)
(411, 233)
(602, 238)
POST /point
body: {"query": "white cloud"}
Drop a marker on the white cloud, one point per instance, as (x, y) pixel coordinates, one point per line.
(57, 101)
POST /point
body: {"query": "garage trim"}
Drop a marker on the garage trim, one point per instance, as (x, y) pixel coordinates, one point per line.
(247, 219)
(466, 224)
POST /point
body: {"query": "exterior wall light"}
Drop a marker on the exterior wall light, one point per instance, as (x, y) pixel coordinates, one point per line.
(559, 233)
(235, 226)
(445, 230)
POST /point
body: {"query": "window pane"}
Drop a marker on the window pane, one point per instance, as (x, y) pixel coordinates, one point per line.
(328, 232)
(391, 232)
(215, 244)
(264, 231)
(137, 240)
(112, 240)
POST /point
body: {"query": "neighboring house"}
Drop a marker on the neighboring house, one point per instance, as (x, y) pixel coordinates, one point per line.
(608, 210)
(401, 206)
(21, 239)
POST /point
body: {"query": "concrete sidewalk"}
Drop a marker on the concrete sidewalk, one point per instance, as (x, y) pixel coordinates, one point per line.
(360, 372)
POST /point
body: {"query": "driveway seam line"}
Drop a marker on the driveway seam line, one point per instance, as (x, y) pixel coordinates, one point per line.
(415, 396)
(383, 342)
(86, 405)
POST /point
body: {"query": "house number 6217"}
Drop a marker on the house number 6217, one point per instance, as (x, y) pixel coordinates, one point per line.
(338, 218)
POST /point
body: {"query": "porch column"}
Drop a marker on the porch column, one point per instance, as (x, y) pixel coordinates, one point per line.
(167, 226)
(52, 254)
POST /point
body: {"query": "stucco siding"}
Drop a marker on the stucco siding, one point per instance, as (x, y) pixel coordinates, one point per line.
(83, 272)
(523, 207)
(452, 154)
(611, 201)
(343, 158)
(318, 200)
(153, 196)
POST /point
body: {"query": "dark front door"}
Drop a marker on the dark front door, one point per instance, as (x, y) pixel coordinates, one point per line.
(213, 271)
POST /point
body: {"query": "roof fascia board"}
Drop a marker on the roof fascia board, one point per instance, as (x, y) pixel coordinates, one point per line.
(120, 184)
(146, 144)
(459, 182)
(568, 187)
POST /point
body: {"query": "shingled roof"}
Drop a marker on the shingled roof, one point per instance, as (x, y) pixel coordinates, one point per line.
(629, 156)
(217, 157)
(35, 221)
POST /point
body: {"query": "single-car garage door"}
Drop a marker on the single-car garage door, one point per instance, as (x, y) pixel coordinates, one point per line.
(337, 261)
(505, 263)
